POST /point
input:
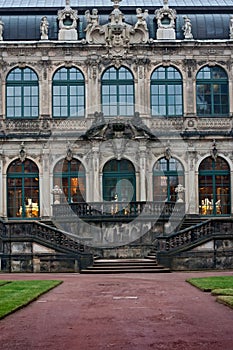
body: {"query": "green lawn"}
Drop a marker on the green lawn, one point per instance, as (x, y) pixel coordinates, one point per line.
(16, 294)
(221, 286)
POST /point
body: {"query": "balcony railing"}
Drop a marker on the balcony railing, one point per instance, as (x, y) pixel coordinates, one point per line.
(118, 209)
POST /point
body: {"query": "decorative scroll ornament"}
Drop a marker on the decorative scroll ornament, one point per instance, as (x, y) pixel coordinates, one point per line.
(116, 35)
(67, 23)
(166, 22)
(22, 153)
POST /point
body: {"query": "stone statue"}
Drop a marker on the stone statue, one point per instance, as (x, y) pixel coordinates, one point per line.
(141, 18)
(1, 30)
(231, 27)
(44, 28)
(92, 19)
(187, 28)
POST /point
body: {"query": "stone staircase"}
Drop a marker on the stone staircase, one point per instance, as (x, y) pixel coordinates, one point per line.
(143, 265)
(190, 221)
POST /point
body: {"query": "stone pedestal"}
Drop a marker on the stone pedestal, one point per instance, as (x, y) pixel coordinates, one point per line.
(166, 33)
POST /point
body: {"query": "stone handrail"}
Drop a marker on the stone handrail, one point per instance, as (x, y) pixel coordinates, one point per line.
(32, 229)
(194, 234)
(118, 209)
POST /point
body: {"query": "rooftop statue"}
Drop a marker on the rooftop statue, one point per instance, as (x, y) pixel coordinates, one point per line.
(1, 29)
(44, 28)
(187, 28)
(231, 27)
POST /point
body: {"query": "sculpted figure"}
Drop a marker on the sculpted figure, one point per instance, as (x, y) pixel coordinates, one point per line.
(1, 30)
(231, 27)
(44, 28)
(187, 28)
(141, 18)
(92, 19)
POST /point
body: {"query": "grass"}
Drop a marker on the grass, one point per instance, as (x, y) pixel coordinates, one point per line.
(221, 286)
(17, 294)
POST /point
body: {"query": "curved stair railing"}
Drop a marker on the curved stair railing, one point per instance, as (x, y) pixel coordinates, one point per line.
(194, 235)
(43, 234)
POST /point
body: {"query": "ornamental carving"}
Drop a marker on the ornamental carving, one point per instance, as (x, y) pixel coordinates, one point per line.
(166, 22)
(116, 35)
(67, 23)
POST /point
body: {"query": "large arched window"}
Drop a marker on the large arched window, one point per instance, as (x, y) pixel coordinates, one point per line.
(212, 92)
(70, 176)
(68, 93)
(167, 175)
(117, 92)
(214, 187)
(22, 94)
(166, 92)
(23, 189)
(119, 181)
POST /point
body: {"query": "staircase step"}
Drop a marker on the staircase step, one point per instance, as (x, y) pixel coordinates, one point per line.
(125, 265)
(120, 267)
(138, 270)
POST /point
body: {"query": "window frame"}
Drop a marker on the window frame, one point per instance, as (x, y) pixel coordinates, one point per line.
(22, 84)
(67, 96)
(69, 175)
(166, 82)
(211, 83)
(166, 175)
(119, 84)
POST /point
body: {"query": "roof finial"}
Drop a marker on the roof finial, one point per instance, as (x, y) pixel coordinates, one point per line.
(67, 3)
(116, 4)
(165, 3)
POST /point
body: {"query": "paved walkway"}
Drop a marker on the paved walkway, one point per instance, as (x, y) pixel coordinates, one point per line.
(127, 311)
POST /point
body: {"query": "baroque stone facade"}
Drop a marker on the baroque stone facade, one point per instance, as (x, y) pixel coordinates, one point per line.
(143, 76)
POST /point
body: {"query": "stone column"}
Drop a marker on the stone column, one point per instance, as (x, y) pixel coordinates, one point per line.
(45, 190)
(95, 169)
(191, 183)
(142, 171)
(142, 89)
(2, 186)
(189, 87)
(45, 88)
(93, 88)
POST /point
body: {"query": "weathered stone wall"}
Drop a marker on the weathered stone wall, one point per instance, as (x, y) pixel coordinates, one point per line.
(213, 255)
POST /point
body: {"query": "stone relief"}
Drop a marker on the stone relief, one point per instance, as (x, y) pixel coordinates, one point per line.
(116, 34)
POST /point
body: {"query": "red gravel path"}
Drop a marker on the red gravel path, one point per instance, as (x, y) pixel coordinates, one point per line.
(128, 312)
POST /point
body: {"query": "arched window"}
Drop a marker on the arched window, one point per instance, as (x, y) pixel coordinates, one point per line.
(214, 187)
(166, 92)
(22, 94)
(68, 93)
(212, 92)
(70, 176)
(117, 92)
(23, 189)
(119, 181)
(167, 175)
